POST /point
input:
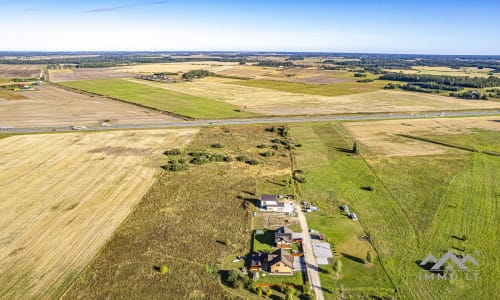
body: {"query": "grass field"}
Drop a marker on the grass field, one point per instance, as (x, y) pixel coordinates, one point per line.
(274, 102)
(161, 99)
(419, 204)
(63, 195)
(337, 89)
(185, 226)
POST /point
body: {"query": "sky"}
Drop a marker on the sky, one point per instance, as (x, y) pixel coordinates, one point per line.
(383, 26)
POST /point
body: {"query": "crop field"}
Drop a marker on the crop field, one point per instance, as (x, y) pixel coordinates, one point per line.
(212, 66)
(161, 99)
(303, 75)
(54, 106)
(339, 89)
(380, 137)
(463, 71)
(185, 226)
(88, 74)
(63, 196)
(417, 204)
(19, 71)
(273, 102)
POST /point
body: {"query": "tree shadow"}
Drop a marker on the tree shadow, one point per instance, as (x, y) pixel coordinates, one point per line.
(353, 258)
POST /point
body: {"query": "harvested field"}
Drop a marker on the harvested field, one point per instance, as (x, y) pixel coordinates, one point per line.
(87, 74)
(299, 75)
(212, 66)
(380, 137)
(20, 71)
(275, 102)
(63, 195)
(54, 106)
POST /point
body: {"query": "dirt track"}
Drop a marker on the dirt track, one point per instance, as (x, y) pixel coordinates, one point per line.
(53, 106)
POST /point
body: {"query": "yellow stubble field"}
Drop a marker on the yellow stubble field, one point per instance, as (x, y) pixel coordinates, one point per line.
(63, 195)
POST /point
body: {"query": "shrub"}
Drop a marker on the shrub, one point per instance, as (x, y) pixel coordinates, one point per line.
(269, 292)
(276, 147)
(298, 145)
(176, 166)
(261, 146)
(243, 158)
(369, 257)
(234, 279)
(218, 145)
(268, 154)
(227, 242)
(163, 269)
(174, 151)
(253, 162)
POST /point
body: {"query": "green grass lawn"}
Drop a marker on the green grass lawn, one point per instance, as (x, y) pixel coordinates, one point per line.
(336, 89)
(264, 242)
(479, 139)
(418, 205)
(161, 99)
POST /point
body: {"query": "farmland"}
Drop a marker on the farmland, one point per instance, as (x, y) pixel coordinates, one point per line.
(19, 71)
(417, 204)
(274, 102)
(161, 99)
(185, 226)
(54, 106)
(63, 195)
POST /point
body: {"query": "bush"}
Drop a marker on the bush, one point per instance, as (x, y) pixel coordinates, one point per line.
(261, 146)
(163, 269)
(268, 154)
(253, 162)
(269, 293)
(243, 158)
(176, 166)
(369, 257)
(201, 157)
(218, 145)
(174, 151)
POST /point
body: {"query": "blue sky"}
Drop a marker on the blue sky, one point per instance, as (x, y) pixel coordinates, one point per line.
(431, 27)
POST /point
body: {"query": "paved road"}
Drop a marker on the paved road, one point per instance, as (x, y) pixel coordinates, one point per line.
(310, 260)
(279, 120)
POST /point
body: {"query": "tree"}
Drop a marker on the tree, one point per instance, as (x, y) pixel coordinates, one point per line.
(355, 148)
(163, 269)
(227, 242)
(234, 279)
(369, 257)
(269, 292)
(337, 267)
(259, 292)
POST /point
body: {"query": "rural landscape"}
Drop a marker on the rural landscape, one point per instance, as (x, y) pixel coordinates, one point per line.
(243, 174)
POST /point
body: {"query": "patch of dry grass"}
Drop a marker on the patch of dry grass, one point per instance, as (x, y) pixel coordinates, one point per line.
(63, 195)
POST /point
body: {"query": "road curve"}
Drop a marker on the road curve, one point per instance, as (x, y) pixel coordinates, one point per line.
(4, 128)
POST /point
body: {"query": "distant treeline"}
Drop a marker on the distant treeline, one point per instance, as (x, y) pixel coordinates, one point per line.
(276, 64)
(403, 62)
(443, 82)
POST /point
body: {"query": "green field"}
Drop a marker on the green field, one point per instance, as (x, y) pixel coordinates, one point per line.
(336, 89)
(479, 139)
(418, 205)
(161, 99)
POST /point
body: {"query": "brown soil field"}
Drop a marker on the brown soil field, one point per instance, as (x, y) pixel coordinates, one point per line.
(63, 196)
(19, 71)
(309, 75)
(380, 137)
(87, 74)
(54, 106)
(273, 102)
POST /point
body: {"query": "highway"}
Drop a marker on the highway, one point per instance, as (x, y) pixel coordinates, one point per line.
(5, 128)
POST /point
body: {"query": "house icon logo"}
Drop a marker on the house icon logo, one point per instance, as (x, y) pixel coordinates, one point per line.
(448, 267)
(450, 259)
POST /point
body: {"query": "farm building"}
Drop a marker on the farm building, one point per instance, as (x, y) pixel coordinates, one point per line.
(270, 203)
(283, 238)
(323, 252)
